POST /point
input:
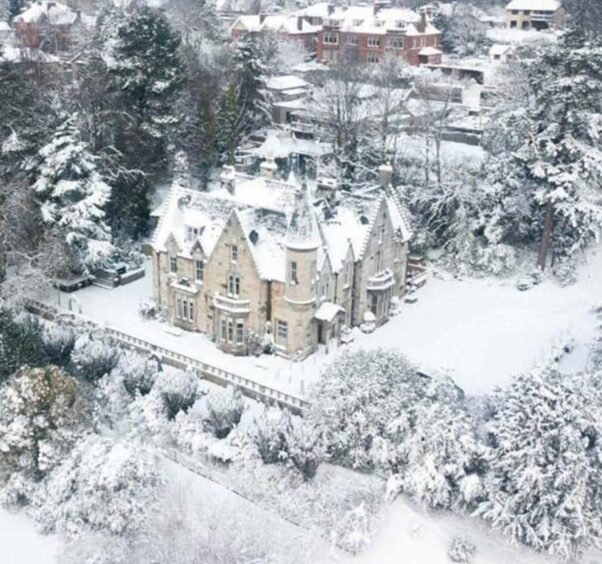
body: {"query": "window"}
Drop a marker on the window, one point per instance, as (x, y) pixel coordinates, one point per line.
(240, 331)
(294, 278)
(179, 308)
(191, 311)
(372, 58)
(233, 286)
(352, 40)
(331, 38)
(192, 233)
(374, 304)
(373, 41)
(395, 43)
(173, 264)
(281, 332)
(230, 331)
(234, 253)
(199, 270)
(224, 329)
(379, 261)
(185, 309)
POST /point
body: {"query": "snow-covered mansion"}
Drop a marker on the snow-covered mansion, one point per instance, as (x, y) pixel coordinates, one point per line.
(259, 256)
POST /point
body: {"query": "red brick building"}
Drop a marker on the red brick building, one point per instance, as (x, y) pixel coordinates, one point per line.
(367, 34)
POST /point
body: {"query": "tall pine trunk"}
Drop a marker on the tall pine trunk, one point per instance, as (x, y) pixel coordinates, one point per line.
(546, 237)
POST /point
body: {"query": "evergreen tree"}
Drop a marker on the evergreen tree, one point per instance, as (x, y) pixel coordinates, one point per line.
(15, 8)
(545, 470)
(230, 122)
(73, 196)
(561, 159)
(250, 72)
(147, 67)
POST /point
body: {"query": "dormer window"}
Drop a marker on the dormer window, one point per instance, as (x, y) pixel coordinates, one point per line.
(193, 233)
(234, 253)
(199, 270)
(173, 265)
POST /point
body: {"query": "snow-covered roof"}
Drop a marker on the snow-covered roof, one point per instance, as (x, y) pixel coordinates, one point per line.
(4, 27)
(327, 311)
(275, 215)
(289, 24)
(286, 82)
(499, 49)
(279, 145)
(536, 5)
(13, 54)
(427, 51)
(52, 12)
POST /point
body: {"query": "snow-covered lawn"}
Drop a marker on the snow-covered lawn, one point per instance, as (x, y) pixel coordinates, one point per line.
(20, 543)
(479, 331)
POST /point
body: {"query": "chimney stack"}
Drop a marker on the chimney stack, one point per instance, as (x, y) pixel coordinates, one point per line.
(299, 23)
(385, 174)
(261, 18)
(422, 24)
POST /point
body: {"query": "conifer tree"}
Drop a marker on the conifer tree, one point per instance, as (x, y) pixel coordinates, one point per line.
(73, 196)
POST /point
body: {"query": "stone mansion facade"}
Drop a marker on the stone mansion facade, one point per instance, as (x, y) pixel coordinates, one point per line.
(294, 262)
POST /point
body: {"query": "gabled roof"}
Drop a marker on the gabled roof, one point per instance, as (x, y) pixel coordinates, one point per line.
(538, 5)
(54, 13)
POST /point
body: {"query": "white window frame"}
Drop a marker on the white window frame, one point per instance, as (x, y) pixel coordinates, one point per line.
(233, 285)
(240, 331)
(199, 270)
(281, 333)
(373, 41)
(331, 38)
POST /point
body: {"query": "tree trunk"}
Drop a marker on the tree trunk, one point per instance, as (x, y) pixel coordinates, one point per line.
(546, 237)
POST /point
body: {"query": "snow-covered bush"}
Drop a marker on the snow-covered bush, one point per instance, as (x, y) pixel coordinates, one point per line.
(544, 462)
(20, 344)
(305, 449)
(137, 372)
(59, 341)
(258, 345)
(178, 390)
(356, 401)
(270, 435)
(102, 485)
(441, 460)
(461, 550)
(353, 532)
(42, 416)
(92, 358)
(496, 259)
(148, 310)
(225, 407)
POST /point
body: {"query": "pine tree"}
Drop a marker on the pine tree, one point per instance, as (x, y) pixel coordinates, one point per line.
(231, 122)
(5, 7)
(73, 196)
(545, 468)
(145, 61)
(250, 75)
(562, 158)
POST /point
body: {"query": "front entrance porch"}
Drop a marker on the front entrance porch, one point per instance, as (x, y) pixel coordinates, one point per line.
(329, 318)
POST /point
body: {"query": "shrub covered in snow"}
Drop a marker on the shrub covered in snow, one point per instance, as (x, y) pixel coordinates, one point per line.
(178, 389)
(225, 407)
(461, 550)
(358, 398)
(305, 449)
(93, 357)
(102, 485)
(59, 342)
(270, 435)
(545, 457)
(137, 372)
(42, 416)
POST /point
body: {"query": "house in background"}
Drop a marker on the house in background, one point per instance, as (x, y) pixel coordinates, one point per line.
(46, 25)
(535, 14)
(296, 263)
(499, 53)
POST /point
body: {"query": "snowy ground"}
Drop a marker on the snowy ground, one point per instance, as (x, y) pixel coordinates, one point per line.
(20, 543)
(480, 332)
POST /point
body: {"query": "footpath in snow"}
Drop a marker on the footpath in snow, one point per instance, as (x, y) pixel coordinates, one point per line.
(20, 543)
(479, 331)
